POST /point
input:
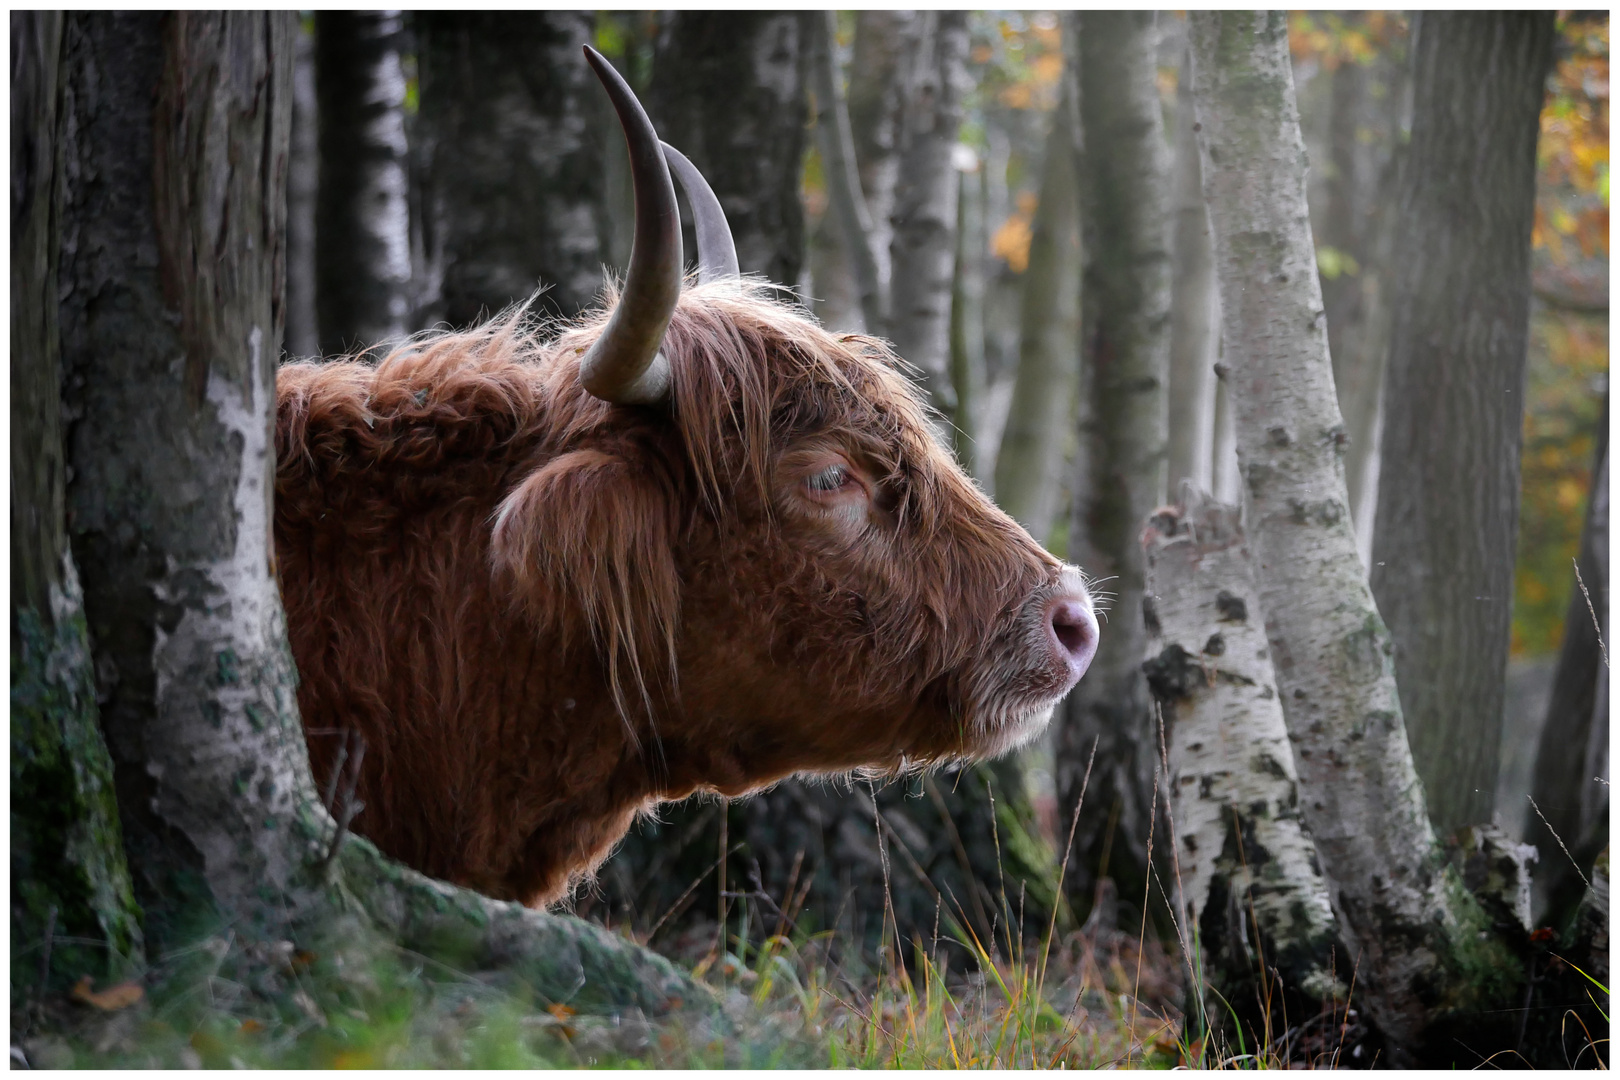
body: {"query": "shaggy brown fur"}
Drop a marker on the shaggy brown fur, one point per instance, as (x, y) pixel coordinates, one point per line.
(545, 613)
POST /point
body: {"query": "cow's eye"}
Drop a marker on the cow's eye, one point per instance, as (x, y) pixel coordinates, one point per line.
(831, 478)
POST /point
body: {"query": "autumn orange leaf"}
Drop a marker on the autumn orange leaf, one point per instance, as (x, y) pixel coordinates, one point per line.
(111, 999)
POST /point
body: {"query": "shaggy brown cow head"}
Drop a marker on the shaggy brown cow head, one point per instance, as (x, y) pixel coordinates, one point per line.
(755, 523)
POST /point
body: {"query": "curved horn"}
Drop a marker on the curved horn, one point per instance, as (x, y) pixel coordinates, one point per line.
(717, 254)
(624, 365)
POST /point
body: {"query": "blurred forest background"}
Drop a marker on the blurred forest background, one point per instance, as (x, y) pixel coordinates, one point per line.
(444, 165)
(1023, 203)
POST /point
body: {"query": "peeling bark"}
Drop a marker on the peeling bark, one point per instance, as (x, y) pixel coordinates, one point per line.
(1423, 948)
(1242, 854)
(1120, 480)
(1448, 492)
(922, 252)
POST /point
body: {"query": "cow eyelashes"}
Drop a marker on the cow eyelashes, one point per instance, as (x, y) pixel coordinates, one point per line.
(831, 478)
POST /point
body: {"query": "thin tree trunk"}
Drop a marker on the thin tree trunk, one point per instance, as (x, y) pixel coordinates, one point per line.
(885, 43)
(834, 294)
(362, 221)
(1448, 494)
(1194, 310)
(729, 89)
(303, 179)
(967, 317)
(1574, 738)
(1403, 913)
(846, 204)
(1245, 870)
(1031, 447)
(1357, 228)
(512, 130)
(69, 878)
(922, 252)
(1122, 481)
(1225, 483)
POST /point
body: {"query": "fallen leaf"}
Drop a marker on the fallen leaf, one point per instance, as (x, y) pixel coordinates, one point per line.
(111, 999)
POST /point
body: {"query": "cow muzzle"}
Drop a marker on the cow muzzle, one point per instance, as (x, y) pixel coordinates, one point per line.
(1071, 625)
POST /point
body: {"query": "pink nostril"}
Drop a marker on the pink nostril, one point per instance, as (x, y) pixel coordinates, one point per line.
(1076, 631)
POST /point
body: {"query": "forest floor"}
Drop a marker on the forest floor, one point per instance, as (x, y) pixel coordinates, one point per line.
(346, 998)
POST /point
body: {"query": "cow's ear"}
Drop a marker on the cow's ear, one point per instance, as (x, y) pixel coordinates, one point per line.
(586, 540)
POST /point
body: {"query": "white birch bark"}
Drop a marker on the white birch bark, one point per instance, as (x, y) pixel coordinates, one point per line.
(1240, 843)
(922, 253)
(1194, 310)
(1400, 910)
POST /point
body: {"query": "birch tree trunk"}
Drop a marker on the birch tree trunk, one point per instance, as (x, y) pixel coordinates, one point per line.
(512, 134)
(1031, 447)
(1246, 871)
(886, 43)
(1423, 945)
(303, 180)
(729, 89)
(69, 878)
(1194, 310)
(922, 252)
(1448, 492)
(1122, 478)
(846, 215)
(362, 221)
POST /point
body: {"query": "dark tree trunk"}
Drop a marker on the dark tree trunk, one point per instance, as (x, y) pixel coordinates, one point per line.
(362, 222)
(513, 130)
(729, 90)
(1448, 497)
(169, 502)
(1127, 355)
(303, 177)
(68, 874)
(1569, 789)
(967, 317)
